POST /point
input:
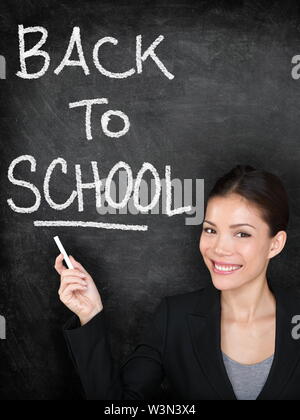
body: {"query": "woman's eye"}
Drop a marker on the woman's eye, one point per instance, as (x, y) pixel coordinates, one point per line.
(207, 229)
(210, 230)
(244, 233)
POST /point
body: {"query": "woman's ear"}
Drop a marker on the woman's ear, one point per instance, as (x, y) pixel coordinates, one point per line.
(278, 243)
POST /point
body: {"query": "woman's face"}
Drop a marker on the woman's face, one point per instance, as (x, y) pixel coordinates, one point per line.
(236, 255)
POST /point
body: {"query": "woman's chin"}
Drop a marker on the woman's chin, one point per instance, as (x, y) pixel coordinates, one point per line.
(222, 283)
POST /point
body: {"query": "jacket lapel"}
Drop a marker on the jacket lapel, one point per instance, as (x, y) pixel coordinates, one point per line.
(287, 349)
(204, 322)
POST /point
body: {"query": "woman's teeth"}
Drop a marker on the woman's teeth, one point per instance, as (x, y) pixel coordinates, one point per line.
(226, 269)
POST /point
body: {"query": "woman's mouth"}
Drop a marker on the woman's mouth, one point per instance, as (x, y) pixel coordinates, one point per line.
(225, 269)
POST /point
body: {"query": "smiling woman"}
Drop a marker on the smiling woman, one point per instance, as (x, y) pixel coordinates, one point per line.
(229, 340)
(245, 226)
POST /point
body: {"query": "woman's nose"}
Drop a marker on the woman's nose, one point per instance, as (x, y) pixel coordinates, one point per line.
(222, 246)
(221, 251)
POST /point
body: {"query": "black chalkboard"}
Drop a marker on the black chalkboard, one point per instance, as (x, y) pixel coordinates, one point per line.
(233, 99)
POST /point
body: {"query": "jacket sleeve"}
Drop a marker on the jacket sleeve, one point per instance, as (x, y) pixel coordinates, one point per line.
(140, 375)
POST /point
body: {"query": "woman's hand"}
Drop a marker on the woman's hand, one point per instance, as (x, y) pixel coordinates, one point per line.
(78, 291)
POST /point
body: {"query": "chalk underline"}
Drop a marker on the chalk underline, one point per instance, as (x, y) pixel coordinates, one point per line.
(98, 225)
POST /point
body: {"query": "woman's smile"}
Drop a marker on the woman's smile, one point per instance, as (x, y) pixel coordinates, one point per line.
(225, 268)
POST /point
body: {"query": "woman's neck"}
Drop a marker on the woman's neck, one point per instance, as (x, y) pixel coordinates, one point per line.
(249, 302)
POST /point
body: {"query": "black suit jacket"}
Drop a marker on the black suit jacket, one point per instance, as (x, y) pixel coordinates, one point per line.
(181, 347)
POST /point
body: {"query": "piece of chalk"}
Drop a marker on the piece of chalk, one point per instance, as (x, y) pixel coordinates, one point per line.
(63, 251)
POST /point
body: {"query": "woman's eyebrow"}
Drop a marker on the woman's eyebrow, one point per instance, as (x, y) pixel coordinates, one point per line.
(231, 226)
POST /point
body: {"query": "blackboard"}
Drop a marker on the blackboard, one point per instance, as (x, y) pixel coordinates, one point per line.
(234, 99)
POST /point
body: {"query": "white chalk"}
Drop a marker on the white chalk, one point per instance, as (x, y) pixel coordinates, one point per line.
(63, 251)
(97, 225)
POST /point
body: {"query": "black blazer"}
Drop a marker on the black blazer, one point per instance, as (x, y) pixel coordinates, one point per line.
(181, 347)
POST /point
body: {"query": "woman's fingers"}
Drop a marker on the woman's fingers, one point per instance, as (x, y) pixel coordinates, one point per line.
(59, 267)
(71, 280)
(67, 293)
(71, 272)
(77, 265)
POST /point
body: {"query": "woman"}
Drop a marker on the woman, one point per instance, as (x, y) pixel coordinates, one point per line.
(229, 340)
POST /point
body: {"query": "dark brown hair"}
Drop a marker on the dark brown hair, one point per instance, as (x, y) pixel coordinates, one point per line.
(259, 187)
